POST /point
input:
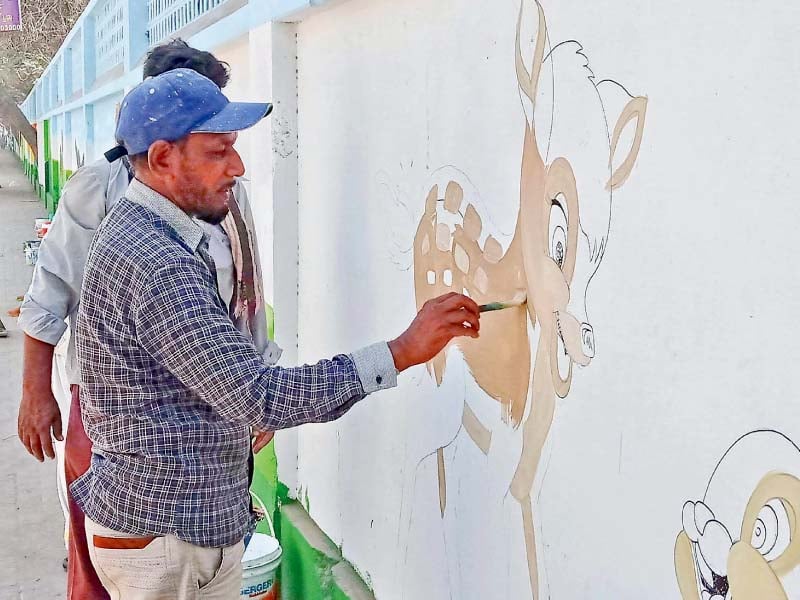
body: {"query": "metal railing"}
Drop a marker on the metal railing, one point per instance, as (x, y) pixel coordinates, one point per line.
(109, 35)
(170, 16)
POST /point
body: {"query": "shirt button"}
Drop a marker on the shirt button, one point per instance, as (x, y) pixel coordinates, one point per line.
(379, 380)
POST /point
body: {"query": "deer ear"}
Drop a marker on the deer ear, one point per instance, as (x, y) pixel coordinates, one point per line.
(622, 157)
(529, 49)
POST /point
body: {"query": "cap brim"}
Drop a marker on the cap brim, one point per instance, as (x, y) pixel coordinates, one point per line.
(235, 117)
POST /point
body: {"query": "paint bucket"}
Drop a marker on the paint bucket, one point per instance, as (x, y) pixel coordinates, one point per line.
(31, 250)
(260, 563)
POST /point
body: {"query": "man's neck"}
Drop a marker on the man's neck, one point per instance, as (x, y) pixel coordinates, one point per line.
(158, 186)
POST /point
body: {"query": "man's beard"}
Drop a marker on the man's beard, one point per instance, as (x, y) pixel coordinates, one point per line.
(208, 215)
(213, 218)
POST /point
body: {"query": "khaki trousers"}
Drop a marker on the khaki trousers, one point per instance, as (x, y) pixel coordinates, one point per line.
(163, 568)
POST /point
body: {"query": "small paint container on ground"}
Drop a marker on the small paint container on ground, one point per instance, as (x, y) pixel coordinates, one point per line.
(260, 567)
(260, 564)
(31, 250)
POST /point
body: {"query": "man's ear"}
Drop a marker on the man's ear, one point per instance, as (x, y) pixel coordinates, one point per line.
(622, 159)
(160, 157)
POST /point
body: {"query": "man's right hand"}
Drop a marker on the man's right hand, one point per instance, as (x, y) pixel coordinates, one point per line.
(39, 417)
(439, 321)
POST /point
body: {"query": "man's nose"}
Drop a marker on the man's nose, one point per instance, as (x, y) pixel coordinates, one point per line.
(236, 166)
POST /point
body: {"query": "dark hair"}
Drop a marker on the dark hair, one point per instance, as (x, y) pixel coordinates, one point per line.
(134, 160)
(177, 54)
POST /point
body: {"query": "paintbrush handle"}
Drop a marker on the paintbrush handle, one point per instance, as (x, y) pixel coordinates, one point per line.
(497, 306)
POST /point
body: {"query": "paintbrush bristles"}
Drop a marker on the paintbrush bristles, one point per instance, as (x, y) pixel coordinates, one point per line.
(500, 305)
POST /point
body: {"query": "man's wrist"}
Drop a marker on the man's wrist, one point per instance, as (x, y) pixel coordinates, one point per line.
(398, 349)
(35, 387)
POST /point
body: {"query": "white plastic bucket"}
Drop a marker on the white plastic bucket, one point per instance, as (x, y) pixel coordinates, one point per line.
(31, 249)
(260, 564)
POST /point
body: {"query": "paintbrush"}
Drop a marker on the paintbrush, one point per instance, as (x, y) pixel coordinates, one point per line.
(518, 300)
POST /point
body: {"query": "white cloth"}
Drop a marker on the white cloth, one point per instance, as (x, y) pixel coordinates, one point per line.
(219, 247)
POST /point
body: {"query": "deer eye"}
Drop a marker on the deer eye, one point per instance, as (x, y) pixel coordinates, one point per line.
(558, 232)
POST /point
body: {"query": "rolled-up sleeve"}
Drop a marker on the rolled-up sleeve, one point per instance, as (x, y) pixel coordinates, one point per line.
(179, 321)
(55, 287)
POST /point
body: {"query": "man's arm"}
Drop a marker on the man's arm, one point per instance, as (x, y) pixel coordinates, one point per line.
(51, 297)
(179, 322)
(38, 409)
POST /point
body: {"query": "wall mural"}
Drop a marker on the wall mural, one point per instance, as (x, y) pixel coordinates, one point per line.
(740, 541)
(579, 146)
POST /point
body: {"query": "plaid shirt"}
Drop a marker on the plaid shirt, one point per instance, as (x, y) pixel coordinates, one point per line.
(170, 386)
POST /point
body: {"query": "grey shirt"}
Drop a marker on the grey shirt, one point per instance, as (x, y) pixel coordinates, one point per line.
(52, 298)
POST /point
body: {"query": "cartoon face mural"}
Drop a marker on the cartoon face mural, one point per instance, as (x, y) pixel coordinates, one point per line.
(741, 541)
(573, 162)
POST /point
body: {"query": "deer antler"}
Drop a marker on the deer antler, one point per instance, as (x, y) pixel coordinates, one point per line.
(528, 81)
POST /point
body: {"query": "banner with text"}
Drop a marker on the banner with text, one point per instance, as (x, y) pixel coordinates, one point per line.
(9, 15)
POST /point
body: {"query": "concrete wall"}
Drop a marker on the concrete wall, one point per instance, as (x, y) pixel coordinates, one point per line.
(678, 348)
(630, 432)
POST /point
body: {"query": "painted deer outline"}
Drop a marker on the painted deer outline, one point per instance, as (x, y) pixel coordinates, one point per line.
(539, 263)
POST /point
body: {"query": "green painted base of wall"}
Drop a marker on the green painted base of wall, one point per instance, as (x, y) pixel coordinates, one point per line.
(312, 567)
(305, 572)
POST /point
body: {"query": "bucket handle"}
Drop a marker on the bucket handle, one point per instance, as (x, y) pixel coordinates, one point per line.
(264, 511)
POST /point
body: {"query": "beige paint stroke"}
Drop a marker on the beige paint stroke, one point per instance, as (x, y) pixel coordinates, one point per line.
(480, 435)
(751, 577)
(635, 109)
(442, 488)
(500, 360)
(685, 568)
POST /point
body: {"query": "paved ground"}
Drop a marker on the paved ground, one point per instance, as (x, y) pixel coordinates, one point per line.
(31, 523)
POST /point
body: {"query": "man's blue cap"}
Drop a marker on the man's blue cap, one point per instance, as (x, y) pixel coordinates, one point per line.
(173, 105)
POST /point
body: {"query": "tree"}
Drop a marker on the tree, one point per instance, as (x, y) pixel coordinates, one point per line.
(25, 54)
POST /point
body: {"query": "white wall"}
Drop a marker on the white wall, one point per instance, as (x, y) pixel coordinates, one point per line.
(235, 53)
(105, 113)
(250, 61)
(78, 139)
(692, 307)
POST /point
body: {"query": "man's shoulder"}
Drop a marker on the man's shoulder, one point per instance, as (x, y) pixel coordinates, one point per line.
(99, 172)
(88, 188)
(138, 238)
